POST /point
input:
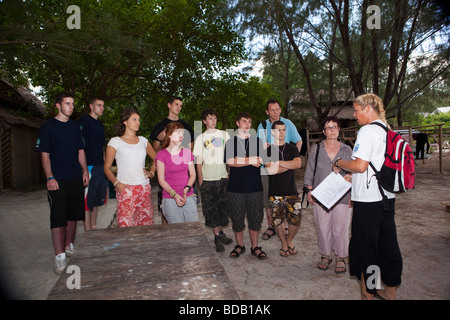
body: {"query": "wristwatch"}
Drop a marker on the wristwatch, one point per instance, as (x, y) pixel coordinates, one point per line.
(336, 162)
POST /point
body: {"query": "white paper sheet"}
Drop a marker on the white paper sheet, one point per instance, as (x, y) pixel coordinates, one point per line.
(331, 189)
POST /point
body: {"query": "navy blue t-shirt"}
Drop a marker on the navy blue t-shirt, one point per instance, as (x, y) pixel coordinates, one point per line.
(248, 178)
(94, 137)
(62, 140)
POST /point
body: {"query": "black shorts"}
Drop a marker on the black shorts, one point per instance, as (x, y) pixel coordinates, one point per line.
(67, 203)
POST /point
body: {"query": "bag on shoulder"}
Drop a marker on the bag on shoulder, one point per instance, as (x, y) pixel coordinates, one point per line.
(397, 174)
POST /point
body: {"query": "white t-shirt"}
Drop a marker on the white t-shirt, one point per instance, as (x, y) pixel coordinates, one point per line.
(211, 146)
(130, 160)
(370, 146)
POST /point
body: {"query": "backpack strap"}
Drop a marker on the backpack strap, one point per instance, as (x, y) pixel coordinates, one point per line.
(381, 125)
(264, 124)
(385, 198)
(305, 190)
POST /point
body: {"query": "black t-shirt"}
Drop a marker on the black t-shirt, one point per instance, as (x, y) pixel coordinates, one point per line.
(161, 126)
(283, 184)
(94, 137)
(62, 140)
(244, 179)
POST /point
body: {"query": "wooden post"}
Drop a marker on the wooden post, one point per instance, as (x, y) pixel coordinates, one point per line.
(441, 164)
(307, 144)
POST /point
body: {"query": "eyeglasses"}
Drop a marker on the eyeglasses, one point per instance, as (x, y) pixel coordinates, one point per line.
(330, 128)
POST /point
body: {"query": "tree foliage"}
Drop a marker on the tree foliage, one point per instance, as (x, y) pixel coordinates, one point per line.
(130, 53)
(350, 53)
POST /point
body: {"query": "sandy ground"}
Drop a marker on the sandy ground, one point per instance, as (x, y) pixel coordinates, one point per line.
(26, 253)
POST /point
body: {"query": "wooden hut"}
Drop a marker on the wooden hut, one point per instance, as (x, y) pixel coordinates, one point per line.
(21, 116)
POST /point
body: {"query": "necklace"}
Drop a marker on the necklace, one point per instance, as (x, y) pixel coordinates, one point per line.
(245, 148)
(281, 151)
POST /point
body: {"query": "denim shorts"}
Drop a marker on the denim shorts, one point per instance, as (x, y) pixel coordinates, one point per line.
(175, 214)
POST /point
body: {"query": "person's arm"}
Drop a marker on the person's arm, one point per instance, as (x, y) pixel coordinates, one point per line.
(160, 169)
(282, 166)
(152, 154)
(299, 145)
(52, 184)
(83, 164)
(244, 161)
(356, 166)
(109, 158)
(199, 165)
(191, 180)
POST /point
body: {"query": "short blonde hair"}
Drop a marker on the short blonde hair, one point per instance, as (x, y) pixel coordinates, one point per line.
(370, 99)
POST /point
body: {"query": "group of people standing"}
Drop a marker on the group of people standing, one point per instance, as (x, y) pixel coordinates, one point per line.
(239, 178)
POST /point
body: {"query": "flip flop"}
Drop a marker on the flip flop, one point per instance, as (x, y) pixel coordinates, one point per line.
(284, 253)
(292, 251)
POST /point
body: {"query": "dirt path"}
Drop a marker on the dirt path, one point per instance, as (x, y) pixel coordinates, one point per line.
(423, 229)
(26, 254)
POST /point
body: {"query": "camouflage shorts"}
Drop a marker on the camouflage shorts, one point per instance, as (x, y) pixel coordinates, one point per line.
(286, 207)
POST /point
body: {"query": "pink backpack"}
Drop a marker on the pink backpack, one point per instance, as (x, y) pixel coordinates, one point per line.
(397, 175)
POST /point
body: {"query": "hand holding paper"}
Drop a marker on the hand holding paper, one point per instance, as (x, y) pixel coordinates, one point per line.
(331, 189)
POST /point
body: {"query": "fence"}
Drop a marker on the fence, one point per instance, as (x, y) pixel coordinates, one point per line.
(348, 135)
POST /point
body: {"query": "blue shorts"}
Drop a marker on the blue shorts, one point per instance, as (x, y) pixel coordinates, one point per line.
(96, 191)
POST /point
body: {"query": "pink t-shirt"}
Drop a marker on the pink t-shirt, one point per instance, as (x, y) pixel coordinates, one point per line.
(176, 170)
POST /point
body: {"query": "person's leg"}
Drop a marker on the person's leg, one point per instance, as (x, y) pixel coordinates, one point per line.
(209, 206)
(391, 262)
(58, 239)
(278, 216)
(87, 221)
(255, 216)
(125, 209)
(94, 218)
(75, 211)
(364, 249)
(340, 223)
(189, 210)
(324, 236)
(143, 212)
(267, 207)
(71, 230)
(293, 214)
(171, 210)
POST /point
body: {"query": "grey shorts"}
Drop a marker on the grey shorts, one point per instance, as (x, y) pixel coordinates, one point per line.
(175, 214)
(246, 204)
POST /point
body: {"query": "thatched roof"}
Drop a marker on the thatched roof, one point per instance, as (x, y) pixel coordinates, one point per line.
(12, 100)
(20, 99)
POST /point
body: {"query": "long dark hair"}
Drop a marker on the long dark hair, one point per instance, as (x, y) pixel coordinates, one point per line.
(126, 114)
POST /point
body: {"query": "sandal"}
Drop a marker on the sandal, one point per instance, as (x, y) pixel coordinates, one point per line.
(344, 266)
(235, 254)
(292, 251)
(261, 255)
(266, 235)
(326, 264)
(284, 253)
